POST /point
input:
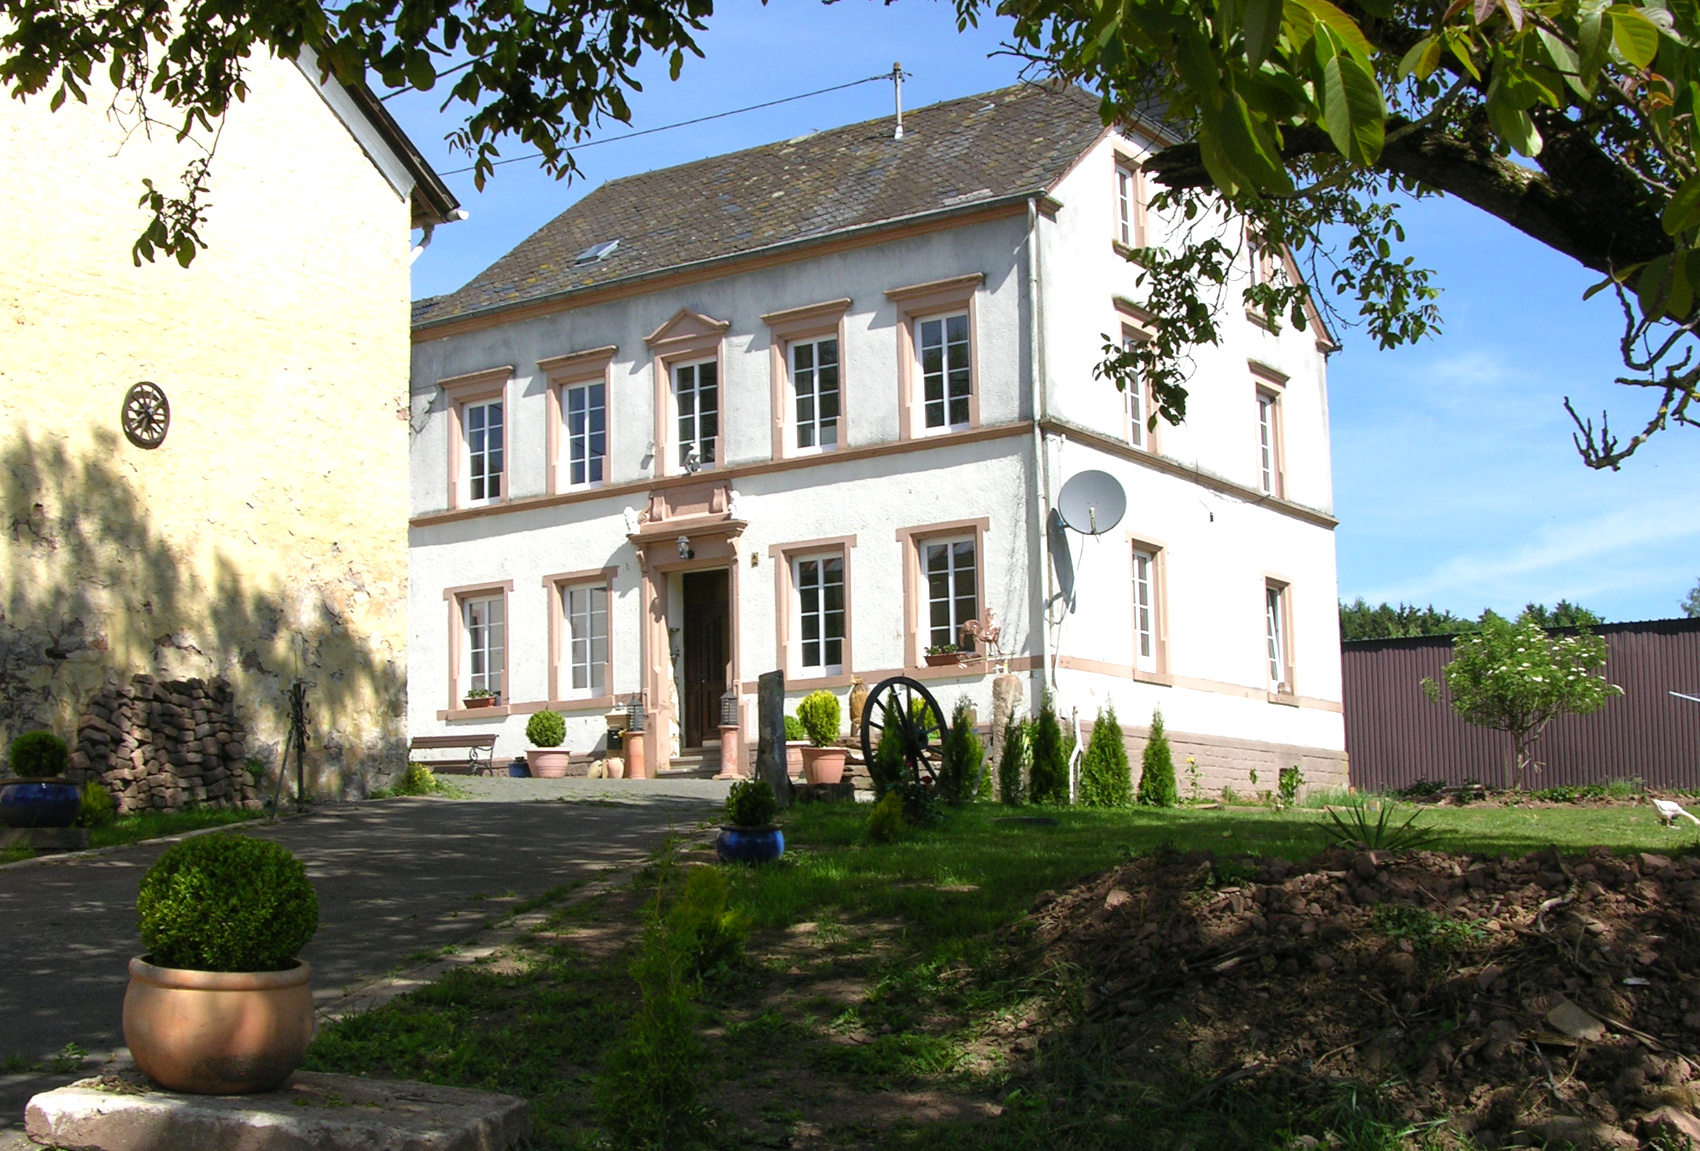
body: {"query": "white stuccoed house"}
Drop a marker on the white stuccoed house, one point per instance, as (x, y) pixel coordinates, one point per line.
(809, 406)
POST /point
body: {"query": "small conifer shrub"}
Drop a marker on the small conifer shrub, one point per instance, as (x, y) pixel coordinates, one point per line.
(1012, 764)
(546, 729)
(964, 759)
(1105, 777)
(1157, 768)
(1049, 776)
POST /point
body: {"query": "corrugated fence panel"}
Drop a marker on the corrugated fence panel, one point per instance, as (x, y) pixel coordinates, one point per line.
(1396, 735)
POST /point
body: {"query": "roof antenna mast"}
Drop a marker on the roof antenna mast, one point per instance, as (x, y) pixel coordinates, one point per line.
(897, 87)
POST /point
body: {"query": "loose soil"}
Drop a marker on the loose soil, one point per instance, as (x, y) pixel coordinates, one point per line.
(1513, 1001)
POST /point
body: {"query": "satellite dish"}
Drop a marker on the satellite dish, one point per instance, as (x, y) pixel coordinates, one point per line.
(1092, 503)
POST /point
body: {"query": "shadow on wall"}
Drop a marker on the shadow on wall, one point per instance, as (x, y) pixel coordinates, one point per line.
(92, 591)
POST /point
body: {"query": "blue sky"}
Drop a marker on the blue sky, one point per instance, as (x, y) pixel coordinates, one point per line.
(1454, 477)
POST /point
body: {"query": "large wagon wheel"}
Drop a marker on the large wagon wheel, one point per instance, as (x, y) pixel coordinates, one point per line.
(919, 722)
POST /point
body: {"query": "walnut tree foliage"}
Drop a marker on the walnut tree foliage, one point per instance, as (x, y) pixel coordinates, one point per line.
(1571, 120)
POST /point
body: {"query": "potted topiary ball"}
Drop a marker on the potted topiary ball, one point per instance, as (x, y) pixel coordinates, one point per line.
(40, 796)
(546, 729)
(750, 835)
(220, 1004)
(823, 762)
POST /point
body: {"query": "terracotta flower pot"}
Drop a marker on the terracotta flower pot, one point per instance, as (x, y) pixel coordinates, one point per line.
(218, 1032)
(481, 701)
(794, 760)
(824, 764)
(616, 767)
(548, 762)
(943, 658)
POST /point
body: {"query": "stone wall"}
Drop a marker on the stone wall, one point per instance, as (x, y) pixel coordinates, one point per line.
(163, 745)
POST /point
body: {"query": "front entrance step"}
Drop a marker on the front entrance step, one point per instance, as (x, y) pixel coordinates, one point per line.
(693, 764)
(124, 1111)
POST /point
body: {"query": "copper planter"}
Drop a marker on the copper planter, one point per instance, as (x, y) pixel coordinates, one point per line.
(218, 1032)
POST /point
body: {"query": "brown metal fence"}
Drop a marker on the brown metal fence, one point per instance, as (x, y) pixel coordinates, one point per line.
(1396, 735)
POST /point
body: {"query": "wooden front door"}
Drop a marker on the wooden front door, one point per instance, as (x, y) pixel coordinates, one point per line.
(707, 622)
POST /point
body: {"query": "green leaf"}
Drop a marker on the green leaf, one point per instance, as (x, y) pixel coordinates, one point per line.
(421, 71)
(1681, 301)
(1514, 125)
(1343, 26)
(1352, 109)
(1252, 148)
(1683, 210)
(1592, 44)
(1651, 288)
(1422, 59)
(1635, 37)
(1262, 22)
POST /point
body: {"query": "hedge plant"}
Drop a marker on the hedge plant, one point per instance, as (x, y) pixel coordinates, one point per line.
(819, 714)
(546, 728)
(751, 803)
(39, 755)
(226, 903)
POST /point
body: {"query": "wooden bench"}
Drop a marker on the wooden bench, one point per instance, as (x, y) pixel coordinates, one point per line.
(479, 749)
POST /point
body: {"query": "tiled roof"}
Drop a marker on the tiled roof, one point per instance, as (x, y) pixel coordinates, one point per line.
(1000, 144)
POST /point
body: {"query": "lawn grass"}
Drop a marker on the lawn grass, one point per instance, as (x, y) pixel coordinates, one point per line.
(913, 930)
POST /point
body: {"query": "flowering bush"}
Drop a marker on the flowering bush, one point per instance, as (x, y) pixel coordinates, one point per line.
(1516, 677)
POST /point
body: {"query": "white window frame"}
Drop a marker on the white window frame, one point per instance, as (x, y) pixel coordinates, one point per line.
(1269, 441)
(579, 632)
(948, 375)
(1277, 640)
(1145, 610)
(821, 615)
(806, 384)
(1127, 205)
(494, 654)
(1133, 399)
(710, 458)
(581, 446)
(954, 575)
(477, 412)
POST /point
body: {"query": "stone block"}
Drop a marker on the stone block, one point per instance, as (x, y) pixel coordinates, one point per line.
(46, 838)
(312, 1112)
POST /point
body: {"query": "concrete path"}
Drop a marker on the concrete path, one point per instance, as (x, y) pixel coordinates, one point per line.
(395, 879)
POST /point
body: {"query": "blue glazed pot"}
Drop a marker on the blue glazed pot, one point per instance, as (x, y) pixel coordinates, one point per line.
(519, 769)
(749, 844)
(40, 803)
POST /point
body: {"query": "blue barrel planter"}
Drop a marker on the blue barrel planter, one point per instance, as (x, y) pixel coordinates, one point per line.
(750, 844)
(40, 803)
(519, 769)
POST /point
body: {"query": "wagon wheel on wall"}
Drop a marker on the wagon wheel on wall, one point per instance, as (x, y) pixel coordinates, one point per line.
(919, 723)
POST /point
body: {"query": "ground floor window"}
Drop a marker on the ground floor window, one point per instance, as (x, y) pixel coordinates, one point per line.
(584, 613)
(819, 584)
(952, 595)
(484, 628)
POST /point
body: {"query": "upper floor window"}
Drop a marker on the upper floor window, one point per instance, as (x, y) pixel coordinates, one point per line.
(952, 590)
(1261, 258)
(818, 583)
(584, 640)
(814, 382)
(1127, 205)
(1268, 442)
(696, 395)
(484, 450)
(484, 641)
(584, 407)
(1144, 609)
(1134, 399)
(946, 378)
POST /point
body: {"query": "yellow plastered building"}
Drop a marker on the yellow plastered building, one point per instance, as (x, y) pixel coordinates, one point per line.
(265, 538)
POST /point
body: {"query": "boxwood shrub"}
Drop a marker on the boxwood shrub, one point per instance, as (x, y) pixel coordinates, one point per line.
(39, 755)
(226, 903)
(546, 729)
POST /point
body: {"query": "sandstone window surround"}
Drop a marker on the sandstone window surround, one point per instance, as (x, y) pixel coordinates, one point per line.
(1278, 639)
(1148, 585)
(1271, 447)
(478, 645)
(688, 340)
(580, 386)
(478, 436)
(1138, 404)
(809, 404)
(799, 568)
(1129, 193)
(581, 648)
(949, 579)
(942, 316)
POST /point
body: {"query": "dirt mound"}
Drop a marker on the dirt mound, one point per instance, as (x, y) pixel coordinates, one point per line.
(1542, 999)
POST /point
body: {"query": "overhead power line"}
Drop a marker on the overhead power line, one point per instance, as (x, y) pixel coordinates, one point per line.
(884, 77)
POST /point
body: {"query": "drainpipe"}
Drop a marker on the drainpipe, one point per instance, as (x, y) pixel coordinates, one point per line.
(1039, 391)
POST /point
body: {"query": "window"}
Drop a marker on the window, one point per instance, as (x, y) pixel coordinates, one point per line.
(946, 381)
(1275, 627)
(1261, 257)
(584, 640)
(484, 632)
(1134, 397)
(1268, 442)
(814, 381)
(585, 409)
(1144, 610)
(483, 424)
(819, 588)
(1127, 205)
(696, 392)
(952, 596)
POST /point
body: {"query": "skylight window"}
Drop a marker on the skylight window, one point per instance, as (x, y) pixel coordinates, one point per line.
(597, 252)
